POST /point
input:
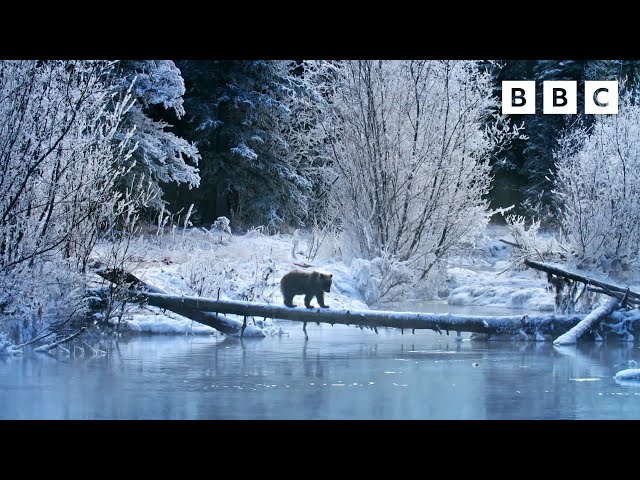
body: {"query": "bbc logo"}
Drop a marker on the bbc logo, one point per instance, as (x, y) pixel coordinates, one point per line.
(559, 97)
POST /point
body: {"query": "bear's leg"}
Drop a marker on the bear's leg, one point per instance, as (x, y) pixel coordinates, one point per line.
(288, 300)
(320, 297)
(307, 300)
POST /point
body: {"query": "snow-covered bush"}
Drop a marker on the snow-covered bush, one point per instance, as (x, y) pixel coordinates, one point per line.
(48, 296)
(411, 155)
(530, 242)
(63, 155)
(383, 278)
(220, 227)
(597, 184)
(222, 224)
(7, 347)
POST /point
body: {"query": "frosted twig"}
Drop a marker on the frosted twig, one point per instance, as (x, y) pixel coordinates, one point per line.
(51, 346)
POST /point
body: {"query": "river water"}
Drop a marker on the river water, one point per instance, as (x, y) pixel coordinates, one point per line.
(340, 373)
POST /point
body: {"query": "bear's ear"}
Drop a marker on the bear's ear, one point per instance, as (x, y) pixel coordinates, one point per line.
(330, 275)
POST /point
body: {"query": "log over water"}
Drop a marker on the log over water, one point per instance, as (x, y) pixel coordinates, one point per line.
(512, 324)
(607, 288)
(211, 312)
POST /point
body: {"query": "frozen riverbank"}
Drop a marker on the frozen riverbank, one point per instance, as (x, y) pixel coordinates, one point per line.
(249, 267)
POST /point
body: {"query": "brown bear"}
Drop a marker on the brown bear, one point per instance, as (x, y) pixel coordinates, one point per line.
(309, 284)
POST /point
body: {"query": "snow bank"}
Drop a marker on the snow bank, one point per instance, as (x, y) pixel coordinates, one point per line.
(628, 374)
(629, 377)
(502, 296)
(490, 288)
(168, 322)
(485, 277)
(7, 348)
(158, 322)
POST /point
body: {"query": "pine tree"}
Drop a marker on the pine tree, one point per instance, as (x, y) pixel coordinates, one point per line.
(254, 167)
(161, 157)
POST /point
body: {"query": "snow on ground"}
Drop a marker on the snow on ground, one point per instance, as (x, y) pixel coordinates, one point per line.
(490, 288)
(249, 267)
(487, 277)
(153, 320)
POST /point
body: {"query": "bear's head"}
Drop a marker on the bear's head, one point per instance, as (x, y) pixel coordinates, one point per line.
(325, 281)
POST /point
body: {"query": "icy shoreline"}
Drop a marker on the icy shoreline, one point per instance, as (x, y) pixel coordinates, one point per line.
(249, 267)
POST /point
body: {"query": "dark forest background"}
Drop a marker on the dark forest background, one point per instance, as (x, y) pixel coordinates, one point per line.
(230, 105)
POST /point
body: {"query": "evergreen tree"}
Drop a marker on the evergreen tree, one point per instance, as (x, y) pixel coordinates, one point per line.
(161, 156)
(254, 167)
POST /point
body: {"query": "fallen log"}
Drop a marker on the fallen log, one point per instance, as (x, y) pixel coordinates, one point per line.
(587, 323)
(617, 295)
(511, 324)
(607, 288)
(221, 323)
(209, 312)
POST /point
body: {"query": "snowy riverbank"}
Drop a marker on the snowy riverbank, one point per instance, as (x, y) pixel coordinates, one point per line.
(249, 267)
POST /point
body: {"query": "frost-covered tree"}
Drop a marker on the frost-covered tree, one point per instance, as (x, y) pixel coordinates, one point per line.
(162, 157)
(254, 123)
(597, 184)
(59, 166)
(412, 153)
(524, 174)
(314, 88)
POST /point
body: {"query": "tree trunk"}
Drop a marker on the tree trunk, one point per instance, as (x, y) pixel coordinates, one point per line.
(140, 291)
(514, 324)
(587, 323)
(607, 288)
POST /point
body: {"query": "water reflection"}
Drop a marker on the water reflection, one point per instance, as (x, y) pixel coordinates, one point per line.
(340, 373)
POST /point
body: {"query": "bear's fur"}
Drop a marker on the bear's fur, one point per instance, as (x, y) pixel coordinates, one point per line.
(309, 284)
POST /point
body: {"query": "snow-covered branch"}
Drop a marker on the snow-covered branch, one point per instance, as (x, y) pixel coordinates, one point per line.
(51, 346)
(605, 287)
